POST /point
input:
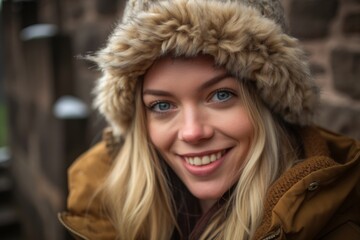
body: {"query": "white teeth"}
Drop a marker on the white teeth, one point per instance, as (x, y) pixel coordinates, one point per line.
(197, 161)
(204, 160)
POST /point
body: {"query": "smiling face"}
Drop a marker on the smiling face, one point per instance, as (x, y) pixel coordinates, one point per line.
(196, 120)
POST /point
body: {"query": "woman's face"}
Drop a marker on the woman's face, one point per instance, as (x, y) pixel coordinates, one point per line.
(197, 122)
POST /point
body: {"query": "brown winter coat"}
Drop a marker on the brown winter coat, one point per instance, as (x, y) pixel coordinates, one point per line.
(319, 198)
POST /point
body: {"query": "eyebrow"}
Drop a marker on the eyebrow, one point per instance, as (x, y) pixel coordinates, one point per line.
(207, 84)
(214, 80)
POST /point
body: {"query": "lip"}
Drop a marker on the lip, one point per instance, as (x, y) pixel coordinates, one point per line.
(204, 170)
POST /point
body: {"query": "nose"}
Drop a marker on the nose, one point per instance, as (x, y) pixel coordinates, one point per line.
(195, 127)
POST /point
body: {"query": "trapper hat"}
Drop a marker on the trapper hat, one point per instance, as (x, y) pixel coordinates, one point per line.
(246, 37)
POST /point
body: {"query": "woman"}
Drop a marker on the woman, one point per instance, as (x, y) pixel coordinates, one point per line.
(210, 107)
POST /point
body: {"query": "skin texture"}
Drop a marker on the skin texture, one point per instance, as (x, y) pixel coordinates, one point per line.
(195, 110)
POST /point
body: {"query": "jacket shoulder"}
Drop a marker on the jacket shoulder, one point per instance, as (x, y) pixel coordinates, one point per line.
(342, 148)
(318, 198)
(85, 176)
(85, 216)
(345, 222)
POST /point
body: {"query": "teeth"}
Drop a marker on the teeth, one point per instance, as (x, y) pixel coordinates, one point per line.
(197, 161)
(204, 160)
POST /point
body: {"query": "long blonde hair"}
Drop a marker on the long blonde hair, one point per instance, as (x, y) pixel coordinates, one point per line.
(272, 152)
(140, 199)
(136, 189)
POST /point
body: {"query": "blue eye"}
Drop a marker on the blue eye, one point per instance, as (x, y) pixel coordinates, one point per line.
(221, 96)
(160, 107)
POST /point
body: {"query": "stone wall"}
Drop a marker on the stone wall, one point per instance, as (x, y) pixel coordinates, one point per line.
(329, 30)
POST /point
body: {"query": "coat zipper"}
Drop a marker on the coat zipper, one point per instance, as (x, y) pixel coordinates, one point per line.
(273, 235)
(77, 234)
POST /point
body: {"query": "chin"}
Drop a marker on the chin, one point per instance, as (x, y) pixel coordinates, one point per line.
(208, 193)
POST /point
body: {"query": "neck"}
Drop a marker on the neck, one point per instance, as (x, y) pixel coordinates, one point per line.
(206, 204)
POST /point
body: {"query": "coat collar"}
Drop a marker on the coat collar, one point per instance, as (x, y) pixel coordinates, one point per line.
(291, 202)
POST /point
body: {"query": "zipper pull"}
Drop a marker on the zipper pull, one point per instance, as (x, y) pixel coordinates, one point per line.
(273, 235)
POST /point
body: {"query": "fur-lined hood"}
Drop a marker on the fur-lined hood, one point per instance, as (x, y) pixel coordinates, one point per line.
(245, 37)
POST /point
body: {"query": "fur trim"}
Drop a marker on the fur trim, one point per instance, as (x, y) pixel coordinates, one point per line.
(248, 45)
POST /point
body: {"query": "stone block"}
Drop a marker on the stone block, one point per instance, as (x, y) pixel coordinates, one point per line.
(341, 119)
(345, 64)
(351, 23)
(106, 7)
(309, 19)
(317, 69)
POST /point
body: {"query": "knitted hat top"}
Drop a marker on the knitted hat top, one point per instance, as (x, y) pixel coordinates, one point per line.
(246, 37)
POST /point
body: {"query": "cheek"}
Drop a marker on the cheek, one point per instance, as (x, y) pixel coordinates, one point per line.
(158, 136)
(153, 134)
(237, 124)
(161, 140)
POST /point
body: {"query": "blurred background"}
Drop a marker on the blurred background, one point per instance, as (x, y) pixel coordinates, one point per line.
(46, 119)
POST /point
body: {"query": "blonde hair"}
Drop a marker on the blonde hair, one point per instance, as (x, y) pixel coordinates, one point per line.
(140, 199)
(271, 154)
(136, 189)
